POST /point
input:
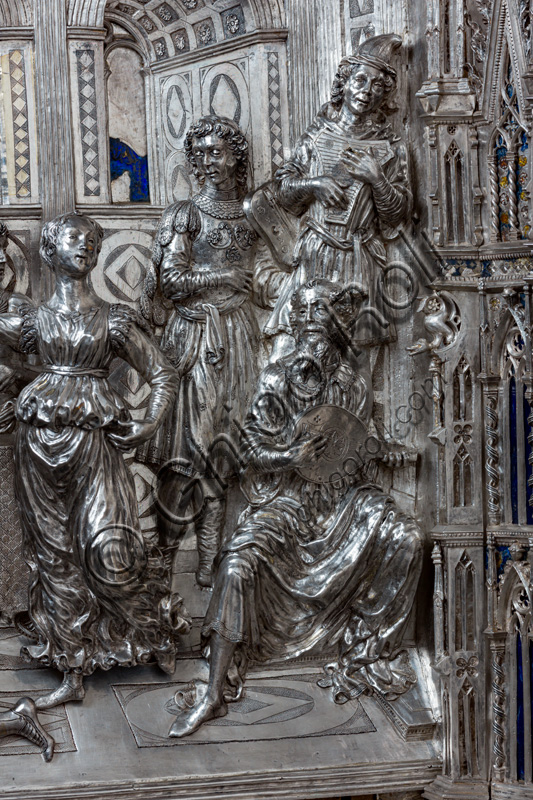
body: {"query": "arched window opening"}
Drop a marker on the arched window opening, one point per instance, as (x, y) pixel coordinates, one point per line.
(128, 141)
(455, 187)
(465, 607)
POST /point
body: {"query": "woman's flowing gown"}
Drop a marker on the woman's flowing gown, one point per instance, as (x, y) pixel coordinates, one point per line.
(98, 597)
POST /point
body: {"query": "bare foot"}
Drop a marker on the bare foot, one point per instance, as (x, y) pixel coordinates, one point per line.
(30, 727)
(190, 720)
(70, 689)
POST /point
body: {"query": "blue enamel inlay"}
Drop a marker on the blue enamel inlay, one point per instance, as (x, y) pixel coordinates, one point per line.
(502, 557)
(124, 159)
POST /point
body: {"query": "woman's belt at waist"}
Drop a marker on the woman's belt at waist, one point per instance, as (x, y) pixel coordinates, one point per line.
(57, 369)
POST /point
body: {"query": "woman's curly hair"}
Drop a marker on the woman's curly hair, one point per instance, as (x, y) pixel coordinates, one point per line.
(51, 230)
(226, 129)
(348, 65)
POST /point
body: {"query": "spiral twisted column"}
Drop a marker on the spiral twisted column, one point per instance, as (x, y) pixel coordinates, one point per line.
(492, 457)
(494, 200)
(498, 708)
(513, 199)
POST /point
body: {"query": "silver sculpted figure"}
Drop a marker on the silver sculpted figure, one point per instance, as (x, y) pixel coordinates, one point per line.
(320, 557)
(204, 260)
(347, 178)
(98, 598)
(22, 720)
(14, 370)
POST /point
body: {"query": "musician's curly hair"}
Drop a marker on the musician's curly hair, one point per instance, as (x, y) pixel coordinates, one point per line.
(226, 129)
(348, 65)
(51, 230)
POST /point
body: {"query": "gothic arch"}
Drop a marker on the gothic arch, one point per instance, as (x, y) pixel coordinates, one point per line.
(504, 36)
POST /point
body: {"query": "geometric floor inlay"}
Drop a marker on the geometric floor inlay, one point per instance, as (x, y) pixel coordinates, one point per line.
(53, 720)
(273, 708)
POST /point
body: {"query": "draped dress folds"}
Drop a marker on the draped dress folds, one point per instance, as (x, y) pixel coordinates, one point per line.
(212, 336)
(351, 249)
(315, 565)
(99, 596)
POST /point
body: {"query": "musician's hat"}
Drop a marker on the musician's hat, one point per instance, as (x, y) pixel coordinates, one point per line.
(377, 52)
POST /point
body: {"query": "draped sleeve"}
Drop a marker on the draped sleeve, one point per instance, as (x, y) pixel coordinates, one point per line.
(182, 217)
(180, 225)
(131, 342)
(28, 330)
(294, 195)
(392, 197)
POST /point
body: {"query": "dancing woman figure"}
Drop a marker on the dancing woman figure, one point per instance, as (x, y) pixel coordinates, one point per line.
(97, 597)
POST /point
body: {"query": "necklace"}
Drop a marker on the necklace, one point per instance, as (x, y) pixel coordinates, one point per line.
(219, 209)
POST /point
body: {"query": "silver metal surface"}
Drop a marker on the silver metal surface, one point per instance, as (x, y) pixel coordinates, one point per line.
(298, 573)
(347, 512)
(203, 264)
(97, 598)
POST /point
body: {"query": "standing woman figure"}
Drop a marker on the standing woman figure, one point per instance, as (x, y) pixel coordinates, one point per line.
(97, 597)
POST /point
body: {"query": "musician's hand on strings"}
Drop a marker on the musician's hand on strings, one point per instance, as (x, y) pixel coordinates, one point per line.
(329, 192)
(362, 165)
(307, 448)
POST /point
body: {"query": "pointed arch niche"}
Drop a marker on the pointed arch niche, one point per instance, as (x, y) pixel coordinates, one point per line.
(143, 70)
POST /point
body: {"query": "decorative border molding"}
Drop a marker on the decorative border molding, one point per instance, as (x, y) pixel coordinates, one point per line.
(274, 111)
(118, 211)
(291, 784)
(16, 34)
(91, 34)
(220, 48)
(26, 211)
(85, 62)
(21, 135)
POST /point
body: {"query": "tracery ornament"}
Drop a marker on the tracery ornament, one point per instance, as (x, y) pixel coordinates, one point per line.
(509, 171)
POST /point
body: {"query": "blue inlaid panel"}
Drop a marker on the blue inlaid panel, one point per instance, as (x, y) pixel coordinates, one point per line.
(124, 159)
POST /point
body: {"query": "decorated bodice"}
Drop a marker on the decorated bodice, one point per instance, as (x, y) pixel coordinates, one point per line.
(203, 235)
(75, 351)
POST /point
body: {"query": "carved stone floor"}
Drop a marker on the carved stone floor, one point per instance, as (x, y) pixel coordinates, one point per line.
(284, 739)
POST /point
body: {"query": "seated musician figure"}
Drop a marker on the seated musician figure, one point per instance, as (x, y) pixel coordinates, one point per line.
(321, 558)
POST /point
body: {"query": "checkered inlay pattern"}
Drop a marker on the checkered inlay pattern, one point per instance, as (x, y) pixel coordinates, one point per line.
(21, 136)
(13, 570)
(274, 112)
(89, 122)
